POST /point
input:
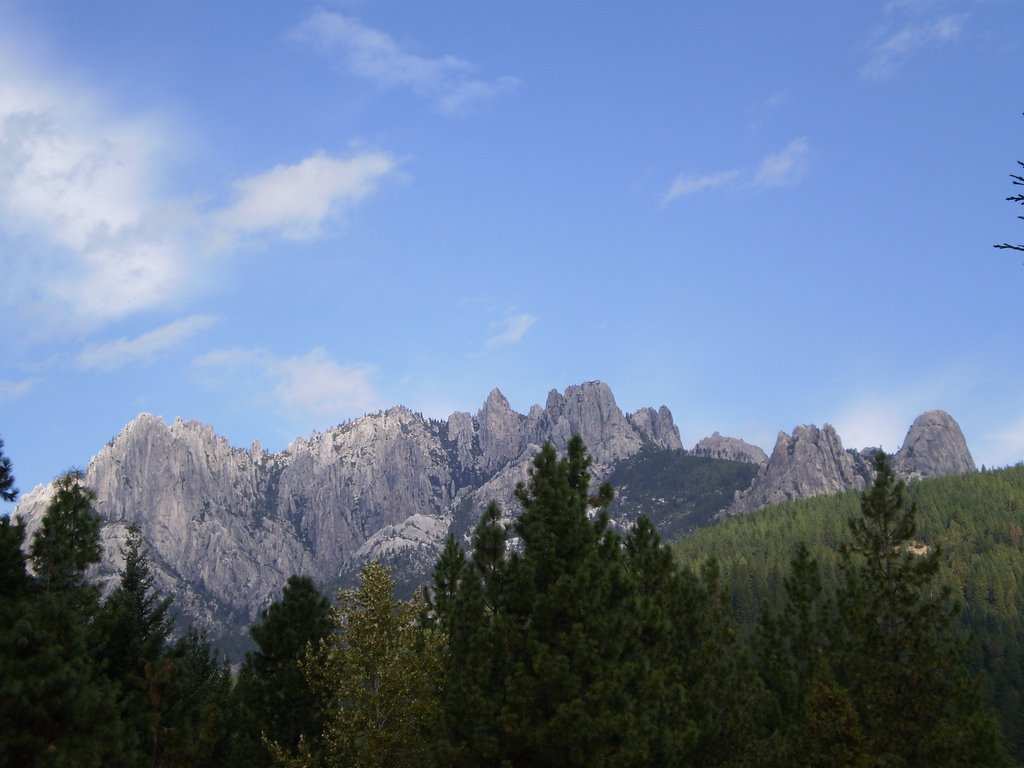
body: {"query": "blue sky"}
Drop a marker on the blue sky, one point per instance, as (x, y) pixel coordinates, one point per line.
(275, 216)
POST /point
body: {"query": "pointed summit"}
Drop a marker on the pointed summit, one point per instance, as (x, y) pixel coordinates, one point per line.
(500, 432)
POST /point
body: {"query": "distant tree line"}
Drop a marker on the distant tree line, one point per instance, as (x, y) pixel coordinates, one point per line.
(551, 641)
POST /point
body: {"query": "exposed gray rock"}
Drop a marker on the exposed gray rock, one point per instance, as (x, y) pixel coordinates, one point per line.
(657, 427)
(425, 533)
(730, 449)
(588, 410)
(500, 432)
(225, 527)
(810, 462)
(934, 446)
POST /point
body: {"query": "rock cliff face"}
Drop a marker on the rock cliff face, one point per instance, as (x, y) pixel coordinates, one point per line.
(934, 446)
(656, 426)
(730, 449)
(812, 462)
(226, 526)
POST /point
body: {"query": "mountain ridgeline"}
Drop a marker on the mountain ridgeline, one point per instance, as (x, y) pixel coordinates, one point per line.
(225, 527)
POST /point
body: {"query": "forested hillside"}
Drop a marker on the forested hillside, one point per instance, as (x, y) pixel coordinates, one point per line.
(976, 521)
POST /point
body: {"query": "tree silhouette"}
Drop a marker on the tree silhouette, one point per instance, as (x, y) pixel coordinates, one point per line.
(1018, 181)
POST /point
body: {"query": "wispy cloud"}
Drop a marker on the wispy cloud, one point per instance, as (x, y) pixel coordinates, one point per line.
(688, 184)
(511, 330)
(295, 200)
(142, 348)
(895, 47)
(13, 390)
(375, 56)
(784, 168)
(778, 169)
(312, 383)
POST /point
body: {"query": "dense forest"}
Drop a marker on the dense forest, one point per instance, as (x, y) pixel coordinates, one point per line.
(834, 632)
(975, 525)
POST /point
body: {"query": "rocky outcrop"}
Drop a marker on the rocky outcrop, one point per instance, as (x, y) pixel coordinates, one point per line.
(810, 462)
(499, 432)
(225, 526)
(588, 410)
(934, 446)
(730, 449)
(657, 427)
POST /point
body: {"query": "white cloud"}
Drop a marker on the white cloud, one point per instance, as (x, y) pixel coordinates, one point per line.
(12, 390)
(511, 330)
(312, 383)
(896, 47)
(686, 184)
(79, 190)
(145, 347)
(296, 199)
(92, 234)
(376, 56)
(784, 168)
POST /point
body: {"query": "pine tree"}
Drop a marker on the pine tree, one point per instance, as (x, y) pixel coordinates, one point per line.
(68, 541)
(7, 490)
(654, 670)
(275, 700)
(558, 629)
(466, 604)
(14, 578)
(129, 638)
(191, 687)
(135, 621)
(790, 645)
(56, 705)
(894, 649)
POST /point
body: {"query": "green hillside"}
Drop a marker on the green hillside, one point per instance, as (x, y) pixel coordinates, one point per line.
(977, 521)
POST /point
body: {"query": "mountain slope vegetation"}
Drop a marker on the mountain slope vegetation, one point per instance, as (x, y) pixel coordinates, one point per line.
(975, 521)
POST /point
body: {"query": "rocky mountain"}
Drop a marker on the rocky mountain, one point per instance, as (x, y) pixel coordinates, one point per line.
(812, 462)
(227, 526)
